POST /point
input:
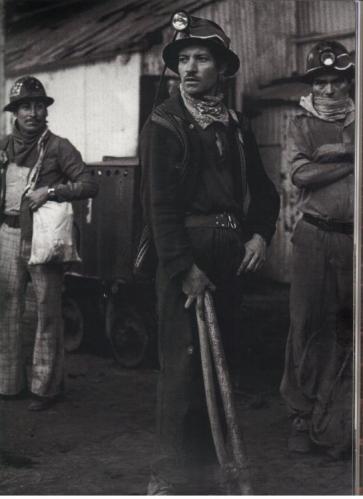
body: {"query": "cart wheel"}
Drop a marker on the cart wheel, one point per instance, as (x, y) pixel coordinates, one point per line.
(126, 332)
(73, 324)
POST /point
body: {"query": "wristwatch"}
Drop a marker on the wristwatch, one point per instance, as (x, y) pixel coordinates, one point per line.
(51, 194)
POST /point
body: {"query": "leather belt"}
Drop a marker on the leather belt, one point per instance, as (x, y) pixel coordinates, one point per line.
(219, 220)
(12, 221)
(329, 225)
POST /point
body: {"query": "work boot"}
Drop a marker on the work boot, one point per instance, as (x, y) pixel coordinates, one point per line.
(18, 396)
(159, 487)
(42, 403)
(299, 440)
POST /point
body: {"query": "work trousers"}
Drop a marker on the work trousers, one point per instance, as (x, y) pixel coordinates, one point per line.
(317, 378)
(183, 431)
(48, 354)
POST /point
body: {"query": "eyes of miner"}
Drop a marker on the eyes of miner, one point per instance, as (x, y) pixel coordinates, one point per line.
(331, 86)
(32, 106)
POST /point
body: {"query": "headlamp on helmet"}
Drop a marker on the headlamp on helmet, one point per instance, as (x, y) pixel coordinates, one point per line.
(180, 21)
(327, 58)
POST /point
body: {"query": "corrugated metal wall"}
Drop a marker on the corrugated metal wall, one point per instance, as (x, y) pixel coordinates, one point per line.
(324, 16)
(271, 130)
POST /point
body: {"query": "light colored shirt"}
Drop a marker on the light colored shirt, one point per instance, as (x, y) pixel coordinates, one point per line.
(16, 181)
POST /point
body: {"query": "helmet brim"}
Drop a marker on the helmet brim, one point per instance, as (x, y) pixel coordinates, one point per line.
(309, 76)
(171, 52)
(13, 106)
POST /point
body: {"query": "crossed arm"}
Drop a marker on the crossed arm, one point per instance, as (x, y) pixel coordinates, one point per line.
(326, 165)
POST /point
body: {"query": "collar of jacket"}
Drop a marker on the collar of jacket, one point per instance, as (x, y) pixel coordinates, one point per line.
(175, 106)
(348, 120)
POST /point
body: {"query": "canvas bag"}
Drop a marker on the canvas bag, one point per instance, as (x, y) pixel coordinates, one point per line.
(53, 238)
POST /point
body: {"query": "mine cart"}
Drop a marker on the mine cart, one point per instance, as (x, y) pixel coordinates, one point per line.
(103, 305)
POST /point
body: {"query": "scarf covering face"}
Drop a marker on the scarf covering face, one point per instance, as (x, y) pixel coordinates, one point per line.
(206, 111)
(328, 109)
(23, 148)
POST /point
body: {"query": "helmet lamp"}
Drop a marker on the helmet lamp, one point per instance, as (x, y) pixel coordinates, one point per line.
(180, 21)
(328, 58)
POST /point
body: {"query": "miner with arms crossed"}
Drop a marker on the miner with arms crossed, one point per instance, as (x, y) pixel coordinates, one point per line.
(200, 160)
(63, 177)
(316, 384)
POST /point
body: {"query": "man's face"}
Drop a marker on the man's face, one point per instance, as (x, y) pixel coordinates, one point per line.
(198, 71)
(331, 85)
(31, 116)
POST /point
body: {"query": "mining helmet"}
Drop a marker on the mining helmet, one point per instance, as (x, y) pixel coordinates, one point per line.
(191, 30)
(27, 88)
(328, 56)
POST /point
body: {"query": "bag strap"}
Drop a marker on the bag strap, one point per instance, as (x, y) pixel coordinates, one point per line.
(35, 171)
(174, 124)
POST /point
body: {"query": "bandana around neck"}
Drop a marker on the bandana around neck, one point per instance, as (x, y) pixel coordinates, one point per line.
(24, 148)
(328, 109)
(206, 111)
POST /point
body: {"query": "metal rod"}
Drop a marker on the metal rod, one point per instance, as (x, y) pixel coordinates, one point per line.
(210, 391)
(234, 431)
(358, 245)
(161, 81)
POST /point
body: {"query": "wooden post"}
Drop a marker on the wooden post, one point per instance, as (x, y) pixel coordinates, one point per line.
(358, 433)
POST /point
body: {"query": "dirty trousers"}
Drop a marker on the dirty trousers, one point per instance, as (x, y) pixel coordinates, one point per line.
(48, 353)
(317, 381)
(184, 439)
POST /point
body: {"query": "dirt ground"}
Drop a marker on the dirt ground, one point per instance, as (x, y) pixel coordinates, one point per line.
(99, 440)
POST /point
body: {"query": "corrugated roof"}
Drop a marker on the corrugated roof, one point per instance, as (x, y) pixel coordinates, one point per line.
(87, 31)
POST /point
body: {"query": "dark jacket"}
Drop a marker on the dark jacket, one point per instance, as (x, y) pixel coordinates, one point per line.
(170, 153)
(62, 168)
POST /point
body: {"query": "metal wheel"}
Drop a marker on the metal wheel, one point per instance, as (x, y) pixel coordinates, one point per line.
(73, 324)
(126, 332)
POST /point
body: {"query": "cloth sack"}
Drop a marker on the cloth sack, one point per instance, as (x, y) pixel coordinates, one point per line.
(53, 238)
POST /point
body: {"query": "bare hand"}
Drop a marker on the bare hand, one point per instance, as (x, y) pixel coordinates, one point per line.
(333, 152)
(255, 255)
(194, 285)
(37, 198)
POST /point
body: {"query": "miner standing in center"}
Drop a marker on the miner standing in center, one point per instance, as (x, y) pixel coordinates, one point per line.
(200, 162)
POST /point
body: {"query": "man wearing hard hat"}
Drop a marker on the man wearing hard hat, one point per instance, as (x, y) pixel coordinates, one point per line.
(200, 159)
(317, 379)
(60, 175)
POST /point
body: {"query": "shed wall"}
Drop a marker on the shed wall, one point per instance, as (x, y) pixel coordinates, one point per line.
(96, 106)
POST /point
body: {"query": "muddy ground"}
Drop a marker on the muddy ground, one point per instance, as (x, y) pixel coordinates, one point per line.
(99, 440)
